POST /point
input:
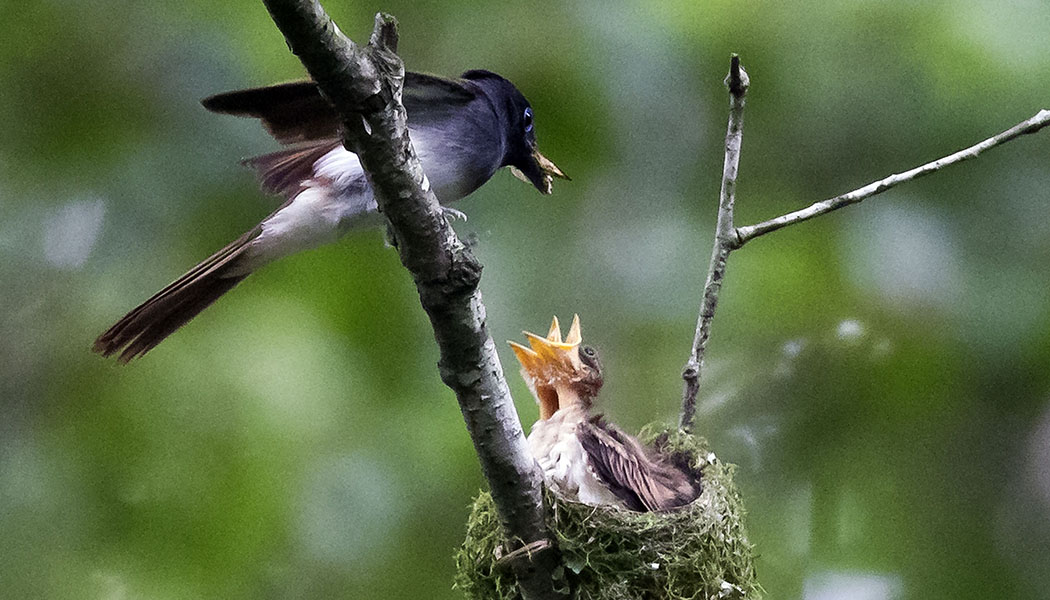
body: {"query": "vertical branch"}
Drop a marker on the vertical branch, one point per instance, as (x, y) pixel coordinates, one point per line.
(364, 87)
(725, 241)
(729, 238)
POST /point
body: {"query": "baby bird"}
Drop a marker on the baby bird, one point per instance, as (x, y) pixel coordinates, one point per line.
(582, 456)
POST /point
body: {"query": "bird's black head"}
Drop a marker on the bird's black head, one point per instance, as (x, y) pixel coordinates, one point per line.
(517, 118)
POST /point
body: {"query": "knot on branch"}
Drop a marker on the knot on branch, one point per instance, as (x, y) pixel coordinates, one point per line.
(462, 278)
(733, 239)
(691, 372)
(737, 81)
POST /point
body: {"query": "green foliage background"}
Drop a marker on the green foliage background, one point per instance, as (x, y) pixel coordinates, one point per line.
(880, 375)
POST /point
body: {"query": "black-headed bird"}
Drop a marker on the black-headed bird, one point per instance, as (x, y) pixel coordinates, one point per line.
(582, 456)
(463, 131)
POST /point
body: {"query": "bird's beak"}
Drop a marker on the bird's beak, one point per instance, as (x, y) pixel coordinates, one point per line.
(550, 365)
(540, 171)
(547, 359)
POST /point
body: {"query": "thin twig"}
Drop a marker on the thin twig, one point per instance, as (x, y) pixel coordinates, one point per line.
(725, 240)
(750, 232)
(729, 238)
(364, 86)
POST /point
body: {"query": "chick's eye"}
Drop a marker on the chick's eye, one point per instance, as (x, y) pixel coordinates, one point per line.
(528, 119)
(588, 351)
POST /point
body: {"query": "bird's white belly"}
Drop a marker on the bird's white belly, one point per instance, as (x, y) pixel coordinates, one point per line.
(336, 199)
(564, 463)
(316, 216)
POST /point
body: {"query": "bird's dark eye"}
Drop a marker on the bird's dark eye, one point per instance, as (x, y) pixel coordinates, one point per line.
(588, 351)
(528, 120)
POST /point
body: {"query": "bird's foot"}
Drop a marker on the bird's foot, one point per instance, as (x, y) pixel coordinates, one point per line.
(452, 214)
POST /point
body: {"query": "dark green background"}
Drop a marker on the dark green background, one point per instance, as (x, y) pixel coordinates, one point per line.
(880, 375)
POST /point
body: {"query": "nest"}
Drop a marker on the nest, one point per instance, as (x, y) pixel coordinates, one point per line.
(698, 551)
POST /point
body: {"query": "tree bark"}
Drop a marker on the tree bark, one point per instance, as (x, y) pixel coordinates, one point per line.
(364, 86)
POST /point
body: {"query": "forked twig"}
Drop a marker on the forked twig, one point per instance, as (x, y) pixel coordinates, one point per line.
(729, 237)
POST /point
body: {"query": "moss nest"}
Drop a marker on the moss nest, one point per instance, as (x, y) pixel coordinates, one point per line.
(698, 551)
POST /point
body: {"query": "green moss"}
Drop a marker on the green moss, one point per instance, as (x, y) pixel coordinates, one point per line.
(698, 551)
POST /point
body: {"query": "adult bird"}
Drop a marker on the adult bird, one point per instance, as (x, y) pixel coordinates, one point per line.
(584, 457)
(463, 131)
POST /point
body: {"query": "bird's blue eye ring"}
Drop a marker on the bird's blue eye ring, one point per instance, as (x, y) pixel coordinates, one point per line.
(528, 119)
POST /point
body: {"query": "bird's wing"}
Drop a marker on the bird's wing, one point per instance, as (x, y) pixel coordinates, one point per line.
(297, 112)
(283, 172)
(292, 112)
(625, 467)
(429, 98)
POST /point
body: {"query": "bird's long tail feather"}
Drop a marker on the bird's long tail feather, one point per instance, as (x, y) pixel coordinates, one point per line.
(147, 325)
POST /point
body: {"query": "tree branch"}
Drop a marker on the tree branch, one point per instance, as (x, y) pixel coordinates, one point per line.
(750, 232)
(364, 86)
(725, 241)
(729, 238)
